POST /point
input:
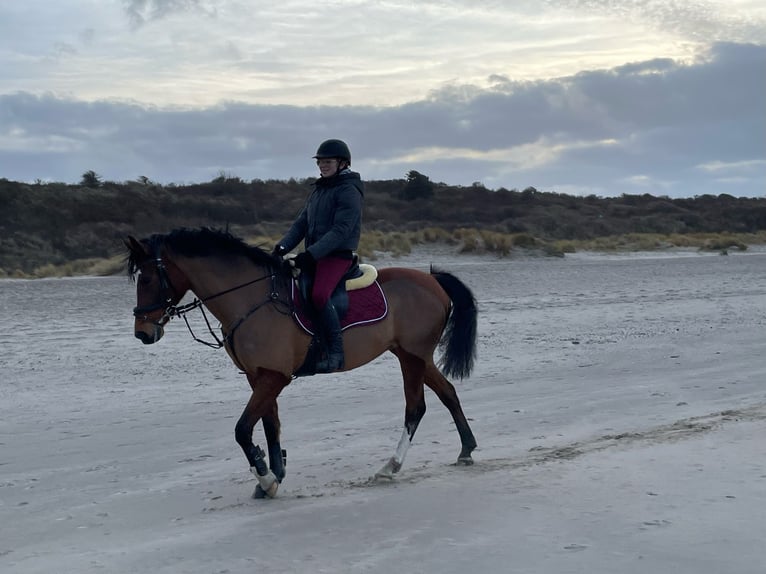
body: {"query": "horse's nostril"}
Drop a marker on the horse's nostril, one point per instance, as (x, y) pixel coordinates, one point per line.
(144, 338)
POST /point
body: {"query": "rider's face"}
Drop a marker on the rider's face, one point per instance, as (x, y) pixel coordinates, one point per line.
(328, 166)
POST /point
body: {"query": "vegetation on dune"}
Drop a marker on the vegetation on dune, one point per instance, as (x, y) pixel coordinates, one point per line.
(59, 229)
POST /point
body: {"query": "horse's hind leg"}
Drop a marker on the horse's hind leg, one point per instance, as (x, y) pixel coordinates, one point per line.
(415, 407)
(448, 396)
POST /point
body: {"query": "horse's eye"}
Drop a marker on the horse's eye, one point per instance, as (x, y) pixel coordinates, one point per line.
(144, 279)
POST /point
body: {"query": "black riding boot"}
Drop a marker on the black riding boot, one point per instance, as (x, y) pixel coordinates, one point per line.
(333, 339)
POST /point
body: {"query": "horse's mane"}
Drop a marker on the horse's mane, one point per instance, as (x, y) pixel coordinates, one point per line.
(202, 242)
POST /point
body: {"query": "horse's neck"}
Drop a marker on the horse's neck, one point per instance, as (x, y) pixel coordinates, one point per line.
(226, 288)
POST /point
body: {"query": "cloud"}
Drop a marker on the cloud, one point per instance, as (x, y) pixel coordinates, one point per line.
(534, 155)
(141, 11)
(657, 126)
(361, 52)
(733, 166)
(701, 20)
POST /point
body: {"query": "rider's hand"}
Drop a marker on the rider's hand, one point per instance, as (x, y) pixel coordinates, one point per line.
(279, 250)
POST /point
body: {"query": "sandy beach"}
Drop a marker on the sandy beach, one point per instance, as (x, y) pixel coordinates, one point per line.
(618, 402)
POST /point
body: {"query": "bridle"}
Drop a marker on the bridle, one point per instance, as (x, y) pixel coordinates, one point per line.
(164, 300)
(167, 294)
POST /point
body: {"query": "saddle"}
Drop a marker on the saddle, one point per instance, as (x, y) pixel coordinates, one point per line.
(358, 300)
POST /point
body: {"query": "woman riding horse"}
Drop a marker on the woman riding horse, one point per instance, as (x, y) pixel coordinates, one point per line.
(247, 290)
(330, 225)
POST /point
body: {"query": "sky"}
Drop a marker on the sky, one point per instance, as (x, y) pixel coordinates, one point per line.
(573, 96)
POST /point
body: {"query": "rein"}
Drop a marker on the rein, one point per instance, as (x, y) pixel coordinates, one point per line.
(273, 298)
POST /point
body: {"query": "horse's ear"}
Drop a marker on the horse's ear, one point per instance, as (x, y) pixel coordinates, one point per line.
(134, 245)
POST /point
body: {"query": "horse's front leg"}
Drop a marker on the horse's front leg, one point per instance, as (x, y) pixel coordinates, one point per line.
(266, 387)
(277, 456)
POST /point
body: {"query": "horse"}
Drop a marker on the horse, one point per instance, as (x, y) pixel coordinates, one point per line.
(248, 290)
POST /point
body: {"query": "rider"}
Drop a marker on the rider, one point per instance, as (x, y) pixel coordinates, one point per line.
(330, 226)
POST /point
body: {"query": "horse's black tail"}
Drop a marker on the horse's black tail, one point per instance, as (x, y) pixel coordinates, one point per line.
(458, 342)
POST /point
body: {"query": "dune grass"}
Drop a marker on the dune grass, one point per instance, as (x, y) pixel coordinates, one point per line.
(461, 240)
(723, 242)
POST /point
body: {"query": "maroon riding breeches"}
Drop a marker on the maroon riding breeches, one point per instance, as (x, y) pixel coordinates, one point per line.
(329, 272)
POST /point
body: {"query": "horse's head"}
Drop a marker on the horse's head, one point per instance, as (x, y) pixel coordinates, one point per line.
(160, 285)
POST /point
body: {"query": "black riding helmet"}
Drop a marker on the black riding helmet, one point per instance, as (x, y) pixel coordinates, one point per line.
(333, 148)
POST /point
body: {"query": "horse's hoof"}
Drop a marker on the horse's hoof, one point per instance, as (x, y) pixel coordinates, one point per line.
(260, 493)
(268, 484)
(271, 492)
(389, 469)
(464, 461)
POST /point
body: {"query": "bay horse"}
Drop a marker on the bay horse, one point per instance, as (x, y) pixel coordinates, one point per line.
(248, 291)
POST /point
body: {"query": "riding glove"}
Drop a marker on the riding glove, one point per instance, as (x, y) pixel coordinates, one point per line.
(279, 250)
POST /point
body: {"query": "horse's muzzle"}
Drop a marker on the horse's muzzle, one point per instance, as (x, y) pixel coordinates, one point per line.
(152, 337)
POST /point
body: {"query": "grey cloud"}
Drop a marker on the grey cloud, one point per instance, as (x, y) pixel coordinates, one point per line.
(655, 65)
(87, 36)
(141, 11)
(64, 49)
(641, 127)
